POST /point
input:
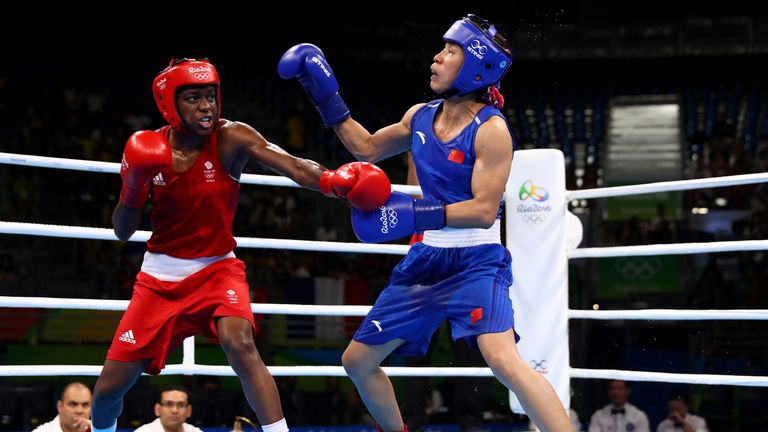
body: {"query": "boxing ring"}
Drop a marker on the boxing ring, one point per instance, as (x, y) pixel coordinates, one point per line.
(188, 366)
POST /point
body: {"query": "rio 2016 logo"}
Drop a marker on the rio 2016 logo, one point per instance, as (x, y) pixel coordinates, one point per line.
(533, 213)
(528, 190)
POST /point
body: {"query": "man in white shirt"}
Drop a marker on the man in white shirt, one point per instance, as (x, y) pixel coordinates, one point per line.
(619, 415)
(172, 411)
(679, 418)
(74, 408)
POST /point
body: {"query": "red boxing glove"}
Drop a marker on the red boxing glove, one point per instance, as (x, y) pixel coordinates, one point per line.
(365, 185)
(146, 152)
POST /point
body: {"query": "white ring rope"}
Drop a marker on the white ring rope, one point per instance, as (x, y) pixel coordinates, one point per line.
(354, 310)
(65, 231)
(55, 370)
(708, 379)
(669, 249)
(188, 366)
(59, 163)
(671, 314)
(114, 168)
(121, 305)
(266, 180)
(666, 186)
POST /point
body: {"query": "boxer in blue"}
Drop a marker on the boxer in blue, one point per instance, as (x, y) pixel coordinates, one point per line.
(462, 149)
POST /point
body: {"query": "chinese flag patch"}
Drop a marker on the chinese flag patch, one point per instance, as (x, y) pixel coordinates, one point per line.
(476, 315)
(456, 156)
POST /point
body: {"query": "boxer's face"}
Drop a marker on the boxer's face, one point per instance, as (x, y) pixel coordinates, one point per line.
(198, 108)
(445, 68)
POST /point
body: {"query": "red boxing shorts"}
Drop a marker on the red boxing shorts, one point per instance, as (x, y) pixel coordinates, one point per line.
(162, 314)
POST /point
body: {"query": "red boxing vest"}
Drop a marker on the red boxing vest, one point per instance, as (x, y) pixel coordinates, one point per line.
(194, 210)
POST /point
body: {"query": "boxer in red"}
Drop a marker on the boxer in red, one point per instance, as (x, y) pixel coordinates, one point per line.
(190, 281)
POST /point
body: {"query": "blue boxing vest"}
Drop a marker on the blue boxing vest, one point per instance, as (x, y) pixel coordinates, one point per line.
(445, 169)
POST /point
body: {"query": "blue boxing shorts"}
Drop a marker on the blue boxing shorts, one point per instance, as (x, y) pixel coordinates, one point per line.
(469, 286)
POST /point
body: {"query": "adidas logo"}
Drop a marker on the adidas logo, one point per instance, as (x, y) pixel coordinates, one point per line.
(128, 337)
(158, 180)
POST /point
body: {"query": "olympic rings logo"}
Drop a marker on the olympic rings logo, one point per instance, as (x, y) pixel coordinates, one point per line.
(392, 215)
(534, 219)
(203, 76)
(482, 49)
(643, 268)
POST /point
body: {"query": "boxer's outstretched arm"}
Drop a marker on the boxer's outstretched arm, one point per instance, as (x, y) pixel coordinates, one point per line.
(364, 185)
(307, 63)
(249, 144)
(388, 141)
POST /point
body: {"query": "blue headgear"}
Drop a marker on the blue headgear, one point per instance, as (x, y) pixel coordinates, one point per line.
(485, 61)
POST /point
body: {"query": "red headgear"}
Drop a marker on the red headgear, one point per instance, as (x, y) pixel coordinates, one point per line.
(183, 72)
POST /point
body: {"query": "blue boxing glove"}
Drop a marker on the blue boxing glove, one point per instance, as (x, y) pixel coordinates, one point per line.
(399, 217)
(307, 63)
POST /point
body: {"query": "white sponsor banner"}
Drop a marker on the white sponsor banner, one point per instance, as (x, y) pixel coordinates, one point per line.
(536, 238)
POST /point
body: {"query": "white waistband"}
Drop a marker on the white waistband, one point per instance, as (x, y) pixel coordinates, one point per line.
(172, 269)
(463, 237)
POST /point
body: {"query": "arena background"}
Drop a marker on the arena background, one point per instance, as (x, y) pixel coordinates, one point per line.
(86, 87)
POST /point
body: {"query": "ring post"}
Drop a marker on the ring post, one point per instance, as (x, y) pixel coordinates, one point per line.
(535, 223)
